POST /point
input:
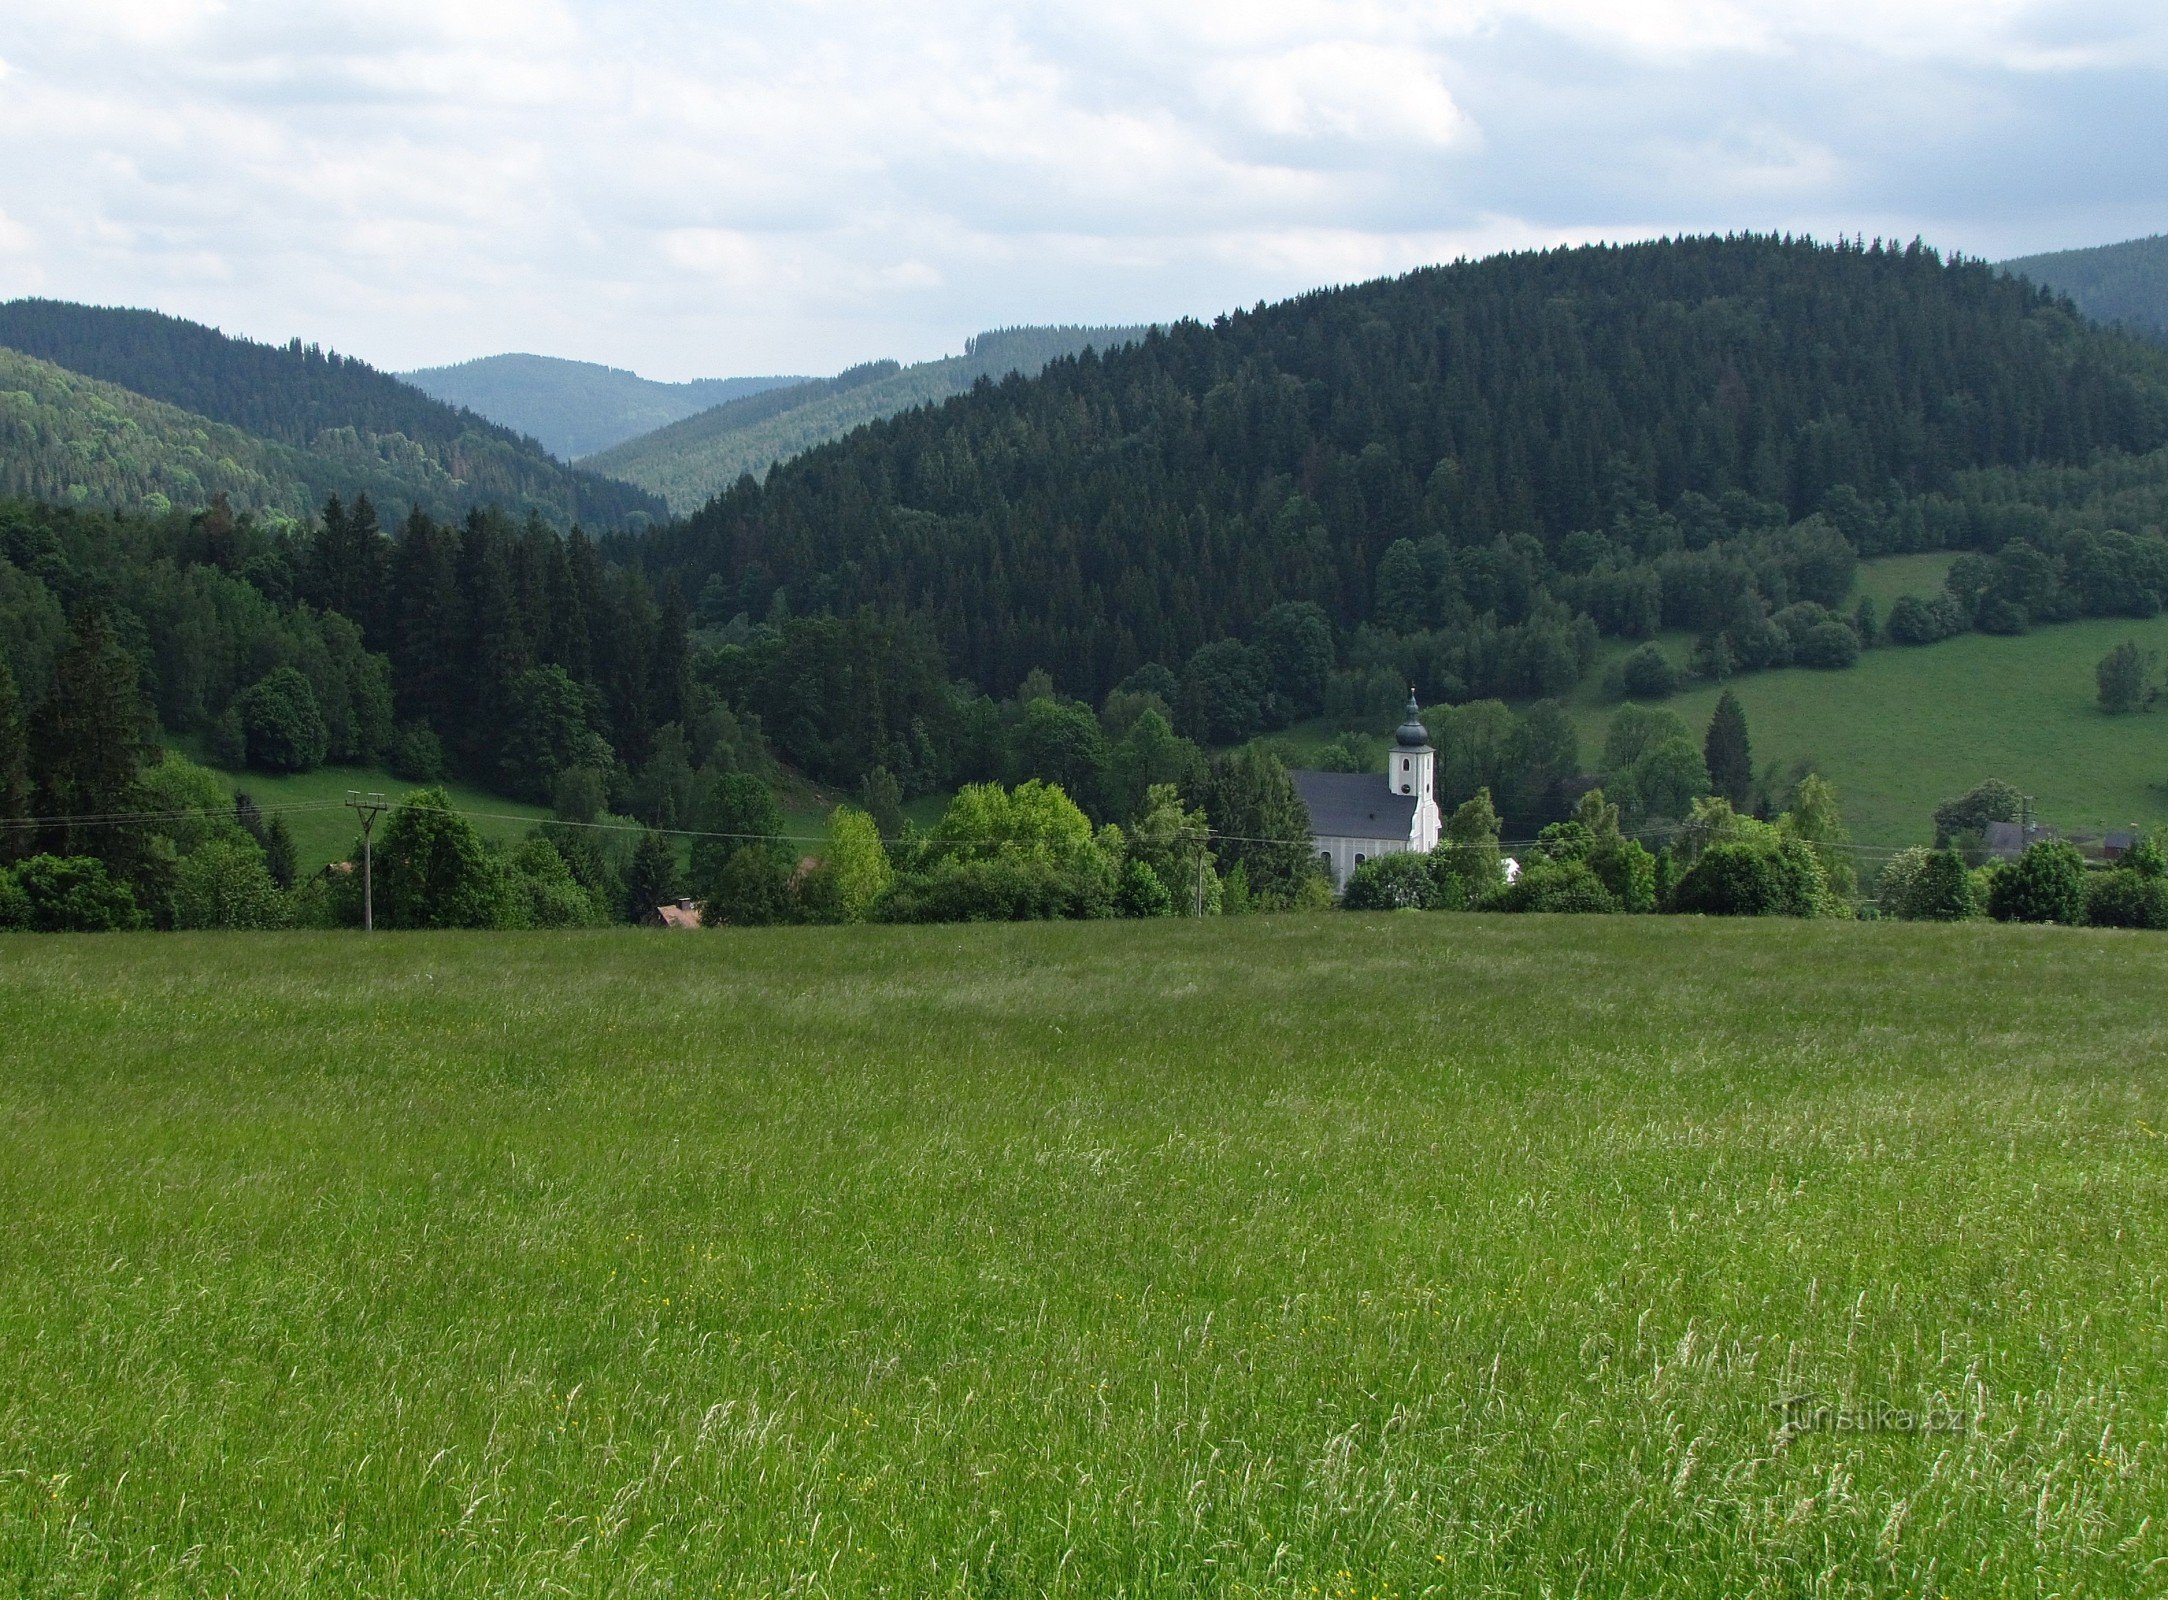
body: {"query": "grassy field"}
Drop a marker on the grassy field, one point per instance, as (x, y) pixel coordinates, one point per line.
(995, 1260)
(326, 831)
(1910, 727)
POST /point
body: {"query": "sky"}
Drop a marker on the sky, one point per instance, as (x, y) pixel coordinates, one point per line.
(711, 189)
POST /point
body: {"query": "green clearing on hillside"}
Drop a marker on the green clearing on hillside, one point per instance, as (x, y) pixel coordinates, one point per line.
(996, 1260)
(325, 830)
(1909, 727)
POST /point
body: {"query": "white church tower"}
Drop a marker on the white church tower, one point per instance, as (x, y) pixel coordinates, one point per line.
(1411, 769)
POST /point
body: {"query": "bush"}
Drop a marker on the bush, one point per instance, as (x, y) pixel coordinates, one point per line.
(2045, 884)
(1941, 890)
(1916, 621)
(540, 891)
(2125, 679)
(416, 754)
(1142, 894)
(282, 727)
(2125, 898)
(1830, 645)
(1403, 881)
(750, 889)
(70, 894)
(1648, 674)
(1627, 870)
(226, 883)
(1556, 886)
(1013, 888)
(1753, 879)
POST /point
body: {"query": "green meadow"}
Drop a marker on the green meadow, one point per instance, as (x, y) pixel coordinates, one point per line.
(1910, 727)
(324, 830)
(1478, 1259)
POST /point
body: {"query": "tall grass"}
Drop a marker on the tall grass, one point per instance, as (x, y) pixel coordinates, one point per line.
(1338, 1256)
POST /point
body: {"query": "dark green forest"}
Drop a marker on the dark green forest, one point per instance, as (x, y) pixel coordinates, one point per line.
(2124, 285)
(348, 419)
(1454, 457)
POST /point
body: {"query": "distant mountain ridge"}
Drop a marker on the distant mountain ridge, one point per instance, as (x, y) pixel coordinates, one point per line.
(358, 422)
(691, 461)
(2124, 285)
(575, 408)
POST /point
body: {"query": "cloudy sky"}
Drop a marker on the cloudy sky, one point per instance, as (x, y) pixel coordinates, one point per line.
(701, 189)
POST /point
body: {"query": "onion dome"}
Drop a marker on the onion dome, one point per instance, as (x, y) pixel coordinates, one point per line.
(1412, 735)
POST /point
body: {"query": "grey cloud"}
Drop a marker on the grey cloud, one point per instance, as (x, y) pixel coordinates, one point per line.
(697, 190)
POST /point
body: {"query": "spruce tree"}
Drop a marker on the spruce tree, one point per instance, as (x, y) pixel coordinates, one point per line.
(88, 741)
(15, 790)
(1726, 750)
(1260, 825)
(652, 879)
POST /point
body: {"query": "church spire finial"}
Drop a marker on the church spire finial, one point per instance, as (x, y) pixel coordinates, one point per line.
(1412, 735)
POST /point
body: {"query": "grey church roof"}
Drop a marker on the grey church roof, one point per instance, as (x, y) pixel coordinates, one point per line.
(1355, 805)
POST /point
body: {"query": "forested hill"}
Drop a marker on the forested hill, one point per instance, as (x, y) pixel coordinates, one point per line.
(1539, 429)
(332, 406)
(2122, 284)
(695, 459)
(577, 407)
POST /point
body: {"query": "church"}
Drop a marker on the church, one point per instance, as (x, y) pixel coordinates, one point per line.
(1357, 815)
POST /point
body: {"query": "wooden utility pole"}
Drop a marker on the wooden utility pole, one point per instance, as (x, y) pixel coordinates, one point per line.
(368, 807)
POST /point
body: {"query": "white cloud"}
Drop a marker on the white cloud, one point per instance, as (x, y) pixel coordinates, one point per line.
(796, 184)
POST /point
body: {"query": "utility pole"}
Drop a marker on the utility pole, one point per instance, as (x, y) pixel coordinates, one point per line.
(1198, 909)
(368, 807)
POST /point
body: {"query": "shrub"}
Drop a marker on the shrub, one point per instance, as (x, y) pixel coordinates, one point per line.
(71, 894)
(2045, 884)
(2124, 678)
(1403, 881)
(1014, 888)
(1729, 880)
(226, 883)
(857, 862)
(1916, 621)
(432, 870)
(1627, 870)
(1830, 645)
(749, 889)
(416, 754)
(282, 727)
(540, 891)
(2125, 898)
(1141, 893)
(1556, 886)
(1941, 890)
(1566, 841)
(1648, 674)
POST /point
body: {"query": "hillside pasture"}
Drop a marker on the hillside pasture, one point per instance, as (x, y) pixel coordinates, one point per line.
(1347, 1255)
(1911, 726)
(324, 830)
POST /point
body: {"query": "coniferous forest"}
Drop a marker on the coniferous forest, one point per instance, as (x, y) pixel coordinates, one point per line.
(1465, 479)
(1471, 450)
